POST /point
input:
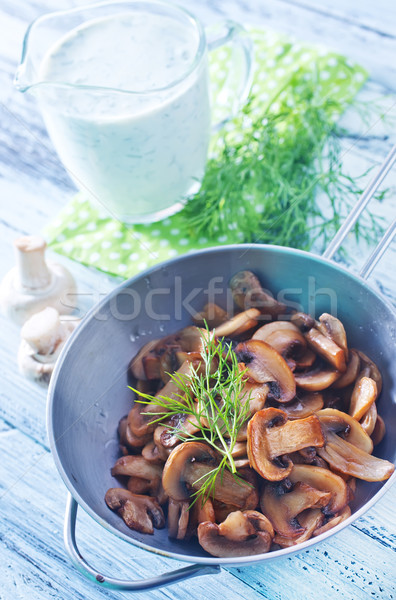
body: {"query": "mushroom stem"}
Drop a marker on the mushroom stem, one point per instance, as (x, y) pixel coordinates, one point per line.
(32, 270)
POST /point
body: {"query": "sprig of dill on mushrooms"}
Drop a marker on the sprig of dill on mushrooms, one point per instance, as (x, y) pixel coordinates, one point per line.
(212, 395)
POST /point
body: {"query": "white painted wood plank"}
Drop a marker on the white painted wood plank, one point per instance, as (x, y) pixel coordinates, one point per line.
(32, 499)
(378, 16)
(350, 561)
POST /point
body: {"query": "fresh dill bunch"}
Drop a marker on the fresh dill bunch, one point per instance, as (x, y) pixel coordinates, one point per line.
(212, 395)
(281, 181)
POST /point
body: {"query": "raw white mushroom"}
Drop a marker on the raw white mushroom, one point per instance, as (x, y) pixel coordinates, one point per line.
(35, 284)
(43, 337)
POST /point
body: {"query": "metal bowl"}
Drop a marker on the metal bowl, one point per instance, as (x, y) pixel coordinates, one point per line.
(88, 392)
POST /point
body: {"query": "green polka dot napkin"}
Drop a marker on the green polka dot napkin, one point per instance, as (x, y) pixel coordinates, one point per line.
(87, 234)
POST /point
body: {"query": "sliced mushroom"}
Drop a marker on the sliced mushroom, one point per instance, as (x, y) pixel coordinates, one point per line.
(351, 373)
(178, 517)
(241, 534)
(347, 458)
(310, 520)
(135, 442)
(136, 485)
(142, 417)
(136, 365)
(287, 340)
(303, 321)
(211, 314)
(247, 292)
(139, 512)
(282, 507)
(151, 453)
(269, 328)
(254, 393)
(303, 405)
(325, 481)
(162, 451)
(200, 512)
(271, 437)
(370, 369)
(185, 424)
(379, 431)
(186, 469)
(336, 520)
(328, 349)
(136, 466)
(343, 424)
(238, 324)
(266, 365)
(332, 328)
(363, 395)
(369, 420)
(317, 379)
(305, 360)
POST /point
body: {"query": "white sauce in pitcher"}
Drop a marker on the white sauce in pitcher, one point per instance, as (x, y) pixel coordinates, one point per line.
(138, 153)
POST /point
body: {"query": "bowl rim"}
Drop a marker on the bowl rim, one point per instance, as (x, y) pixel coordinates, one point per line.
(231, 562)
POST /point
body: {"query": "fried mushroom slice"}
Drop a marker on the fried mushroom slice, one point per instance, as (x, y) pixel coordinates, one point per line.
(247, 292)
(325, 481)
(238, 324)
(139, 512)
(212, 314)
(266, 365)
(186, 469)
(136, 365)
(351, 373)
(310, 520)
(379, 431)
(326, 348)
(284, 337)
(369, 420)
(271, 437)
(346, 457)
(363, 396)
(303, 405)
(336, 520)
(316, 379)
(178, 517)
(303, 321)
(370, 369)
(241, 534)
(282, 506)
(332, 328)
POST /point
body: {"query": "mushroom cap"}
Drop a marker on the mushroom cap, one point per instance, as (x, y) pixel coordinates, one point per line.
(271, 436)
(247, 292)
(241, 534)
(141, 513)
(187, 467)
(176, 476)
(348, 456)
(328, 349)
(323, 480)
(352, 371)
(282, 507)
(316, 379)
(266, 365)
(238, 324)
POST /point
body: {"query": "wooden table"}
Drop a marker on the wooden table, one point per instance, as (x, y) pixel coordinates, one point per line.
(359, 562)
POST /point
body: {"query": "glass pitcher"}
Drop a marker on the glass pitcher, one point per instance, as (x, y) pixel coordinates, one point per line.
(124, 92)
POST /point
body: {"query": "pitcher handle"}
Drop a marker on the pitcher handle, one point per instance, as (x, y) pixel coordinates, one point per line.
(240, 40)
(119, 584)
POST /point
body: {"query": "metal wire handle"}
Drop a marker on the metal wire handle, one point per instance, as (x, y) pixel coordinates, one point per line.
(357, 210)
